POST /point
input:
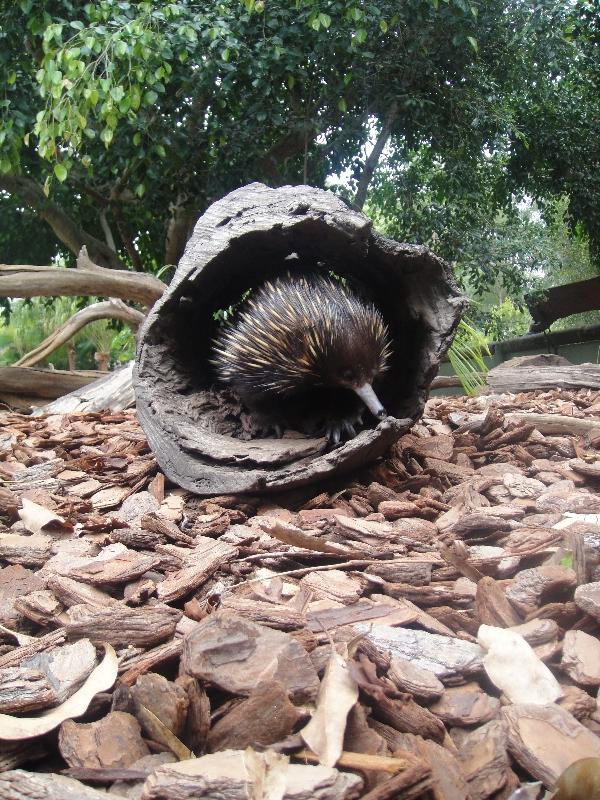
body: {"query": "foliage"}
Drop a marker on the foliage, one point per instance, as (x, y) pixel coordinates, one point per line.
(558, 114)
(466, 355)
(505, 320)
(145, 112)
(31, 321)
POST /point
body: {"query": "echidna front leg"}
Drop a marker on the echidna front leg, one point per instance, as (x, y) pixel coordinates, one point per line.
(335, 429)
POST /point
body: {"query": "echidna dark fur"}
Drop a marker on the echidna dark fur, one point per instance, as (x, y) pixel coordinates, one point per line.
(303, 332)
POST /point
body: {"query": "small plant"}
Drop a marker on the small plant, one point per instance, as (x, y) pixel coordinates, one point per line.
(467, 357)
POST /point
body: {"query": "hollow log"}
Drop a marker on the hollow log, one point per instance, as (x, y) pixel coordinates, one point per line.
(250, 235)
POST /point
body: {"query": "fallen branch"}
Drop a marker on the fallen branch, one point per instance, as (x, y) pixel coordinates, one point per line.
(519, 377)
(26, 280)
(555, 424)
(110, 391)
(50, 383)
(109, 309)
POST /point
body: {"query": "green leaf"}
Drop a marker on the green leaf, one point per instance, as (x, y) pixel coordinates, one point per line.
(117, 93)
(61, 172)
(140, 190)
(473, 42)
(12, 77)
(567, 560)
(383, 26)
(150, 97)
(107, 136)
(325, 20)
(342, 104)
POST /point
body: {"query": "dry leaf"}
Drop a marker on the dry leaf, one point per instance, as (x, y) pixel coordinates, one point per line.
(324, 734)
(99, 680)
(160, 733)
(296, 537)
(513, 667)
(267, 772)
(38, 519)
(20, 638)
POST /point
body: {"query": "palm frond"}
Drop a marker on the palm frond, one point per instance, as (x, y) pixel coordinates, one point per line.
(466, 356)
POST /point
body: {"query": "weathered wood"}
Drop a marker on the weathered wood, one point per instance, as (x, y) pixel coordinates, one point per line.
(113, 391)
(48, 383)
(506, 378)
(562, 301)
(236, 244)
(21, 785)
(127, 626)
(25, 280)
(551, 424)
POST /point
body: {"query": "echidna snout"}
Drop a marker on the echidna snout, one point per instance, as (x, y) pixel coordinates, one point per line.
(300, 333)
(370, 399)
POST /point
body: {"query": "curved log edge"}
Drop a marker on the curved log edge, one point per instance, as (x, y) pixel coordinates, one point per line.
(201, 437)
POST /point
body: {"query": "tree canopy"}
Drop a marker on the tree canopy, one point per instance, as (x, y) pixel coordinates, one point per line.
(121, 121)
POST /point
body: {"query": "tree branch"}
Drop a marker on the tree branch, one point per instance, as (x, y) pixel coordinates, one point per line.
(65, 228)
(293, 143)
(127, 239)
(25, 280)
(181, 224)
(108, 235)
(109, 309)
(373, 158)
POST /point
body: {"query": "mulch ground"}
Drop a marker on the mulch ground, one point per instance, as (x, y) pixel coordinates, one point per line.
(429, 627)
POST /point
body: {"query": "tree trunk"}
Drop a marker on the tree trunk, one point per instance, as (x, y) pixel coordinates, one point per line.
(49, 383)
(65, 228)
(373, 158)
(181, 225)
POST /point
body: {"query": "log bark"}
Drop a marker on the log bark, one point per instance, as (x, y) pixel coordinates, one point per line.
(26, 280)
(110, 309)
(113, 391)
(562, 301)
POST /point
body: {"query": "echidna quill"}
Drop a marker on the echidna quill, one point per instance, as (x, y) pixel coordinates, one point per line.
(303, 334)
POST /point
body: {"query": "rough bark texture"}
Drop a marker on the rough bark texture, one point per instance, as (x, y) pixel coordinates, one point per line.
(239, 241)
(562, 301)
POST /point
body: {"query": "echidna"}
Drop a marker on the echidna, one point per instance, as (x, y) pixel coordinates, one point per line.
(302, 334)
